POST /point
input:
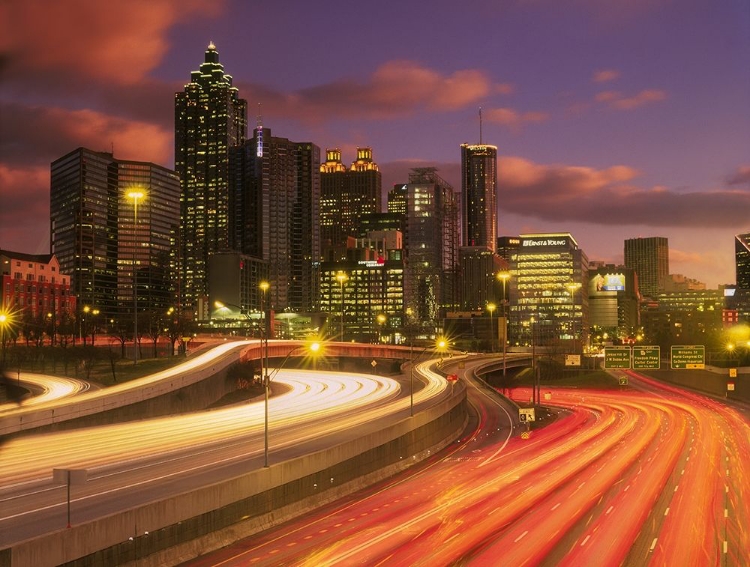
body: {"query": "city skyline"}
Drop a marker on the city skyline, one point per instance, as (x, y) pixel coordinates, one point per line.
(611, 123)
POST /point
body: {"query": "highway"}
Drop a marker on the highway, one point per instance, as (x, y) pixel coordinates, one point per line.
(644, 475)
(45, 389)
(133, 463)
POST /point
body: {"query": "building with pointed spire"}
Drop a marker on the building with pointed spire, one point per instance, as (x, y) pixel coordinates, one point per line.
(210, 118)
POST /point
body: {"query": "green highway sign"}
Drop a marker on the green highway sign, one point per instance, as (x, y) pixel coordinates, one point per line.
(689, 356)
(646, 357)
(617, 357)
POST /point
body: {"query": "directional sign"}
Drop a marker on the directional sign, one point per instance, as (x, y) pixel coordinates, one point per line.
(617, 357)
(646, 357)
(623, 381)
(526, 414)
(572, 360)
(691, 357)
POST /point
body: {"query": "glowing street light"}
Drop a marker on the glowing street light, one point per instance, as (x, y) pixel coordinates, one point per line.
(341, 277)
(491, 308)
(504, 277)
(440, 345)
(135, 195)
(313, 348)
(572, 288)
(5, 321)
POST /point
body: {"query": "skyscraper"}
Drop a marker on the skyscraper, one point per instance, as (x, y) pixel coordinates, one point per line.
(275, 188)
(742, 260)
(431, 244)
(479, 195)
(346, 195)
(94, 237)
(210, 118)
(649, 257)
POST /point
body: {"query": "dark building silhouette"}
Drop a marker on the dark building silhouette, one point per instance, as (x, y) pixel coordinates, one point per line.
(275, 186)
(479, 195)
(649, 257)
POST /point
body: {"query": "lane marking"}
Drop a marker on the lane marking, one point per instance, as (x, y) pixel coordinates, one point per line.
(521, 536)
(585, 540)
(653, 544)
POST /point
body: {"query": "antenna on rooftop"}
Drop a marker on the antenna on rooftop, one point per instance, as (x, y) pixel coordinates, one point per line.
(480, 125)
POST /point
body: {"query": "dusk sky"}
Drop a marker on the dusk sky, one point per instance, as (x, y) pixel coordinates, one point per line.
(613, 119)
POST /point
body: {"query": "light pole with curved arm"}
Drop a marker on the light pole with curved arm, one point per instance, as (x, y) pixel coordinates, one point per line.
(313, 349)
(504, 277)
(341, 277)
(440, 345)
(135, 195)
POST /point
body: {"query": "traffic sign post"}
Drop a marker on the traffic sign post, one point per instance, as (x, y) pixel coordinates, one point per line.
(646, 358)
(526, 415)
(622, 381)
(690, 357)
(616, 357)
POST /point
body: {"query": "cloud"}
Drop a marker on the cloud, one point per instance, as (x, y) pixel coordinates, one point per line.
(617, 101)
(24, 193)
(564, 193)
(740, 177)
(395, 89)
(513, 119)
(118, 41)
(38, 135)
(605, 75)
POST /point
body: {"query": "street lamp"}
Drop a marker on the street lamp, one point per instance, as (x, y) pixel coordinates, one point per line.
(381, 322)
(491, 308)
(504, 277)
(263, 286)
(440, 345)
(135, 195)
(4, 322)
(313, 348)
(341, 277)
(573, 287)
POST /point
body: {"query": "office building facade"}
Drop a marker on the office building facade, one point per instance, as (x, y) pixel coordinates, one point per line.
(742, 260)
(275, 188)
(210, 118)
(479, 195)
(96, 239)
(649, 257)
(346, 195)
(548, 290)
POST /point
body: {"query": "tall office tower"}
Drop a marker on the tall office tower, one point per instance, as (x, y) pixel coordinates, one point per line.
(742, 260)
(275, 214)
(479, 195)
(94, 237)
(346, 195)
(210, 118)
(431, 244)
(649, 257)
(397, 198)
(548, 290)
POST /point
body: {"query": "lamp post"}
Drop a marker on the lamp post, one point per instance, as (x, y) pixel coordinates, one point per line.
(263, 286)
(341, 277)
(440, 345)
(381, 322)
(313, 349)
(572, 287)
(135, 195)
(504, 277)
(4, 322)
(491, 308)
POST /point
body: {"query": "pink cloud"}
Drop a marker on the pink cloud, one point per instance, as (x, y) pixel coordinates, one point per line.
(512, 118)
(24, 216)
(117, 41)
(395, 89)
(605, 75)
(617, 101)
(564, 193)
(740, 177)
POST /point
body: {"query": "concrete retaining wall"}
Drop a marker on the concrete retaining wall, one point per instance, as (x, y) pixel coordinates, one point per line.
(182, 527)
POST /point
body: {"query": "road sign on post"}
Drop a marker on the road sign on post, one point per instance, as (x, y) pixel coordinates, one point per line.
(691, 357)
(646, 357)
(526, 414)
(617, 357)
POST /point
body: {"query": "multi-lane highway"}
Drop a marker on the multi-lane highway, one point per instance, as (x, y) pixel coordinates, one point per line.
(645, 475)
(134, 463)
(45, 389)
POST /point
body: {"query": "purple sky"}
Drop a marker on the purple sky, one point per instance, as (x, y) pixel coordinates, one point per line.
(612, 119)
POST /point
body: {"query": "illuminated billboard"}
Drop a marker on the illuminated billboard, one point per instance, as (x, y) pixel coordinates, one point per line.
(608, 282)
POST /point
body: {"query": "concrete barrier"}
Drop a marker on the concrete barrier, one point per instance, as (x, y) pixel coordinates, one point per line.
(185, 526)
